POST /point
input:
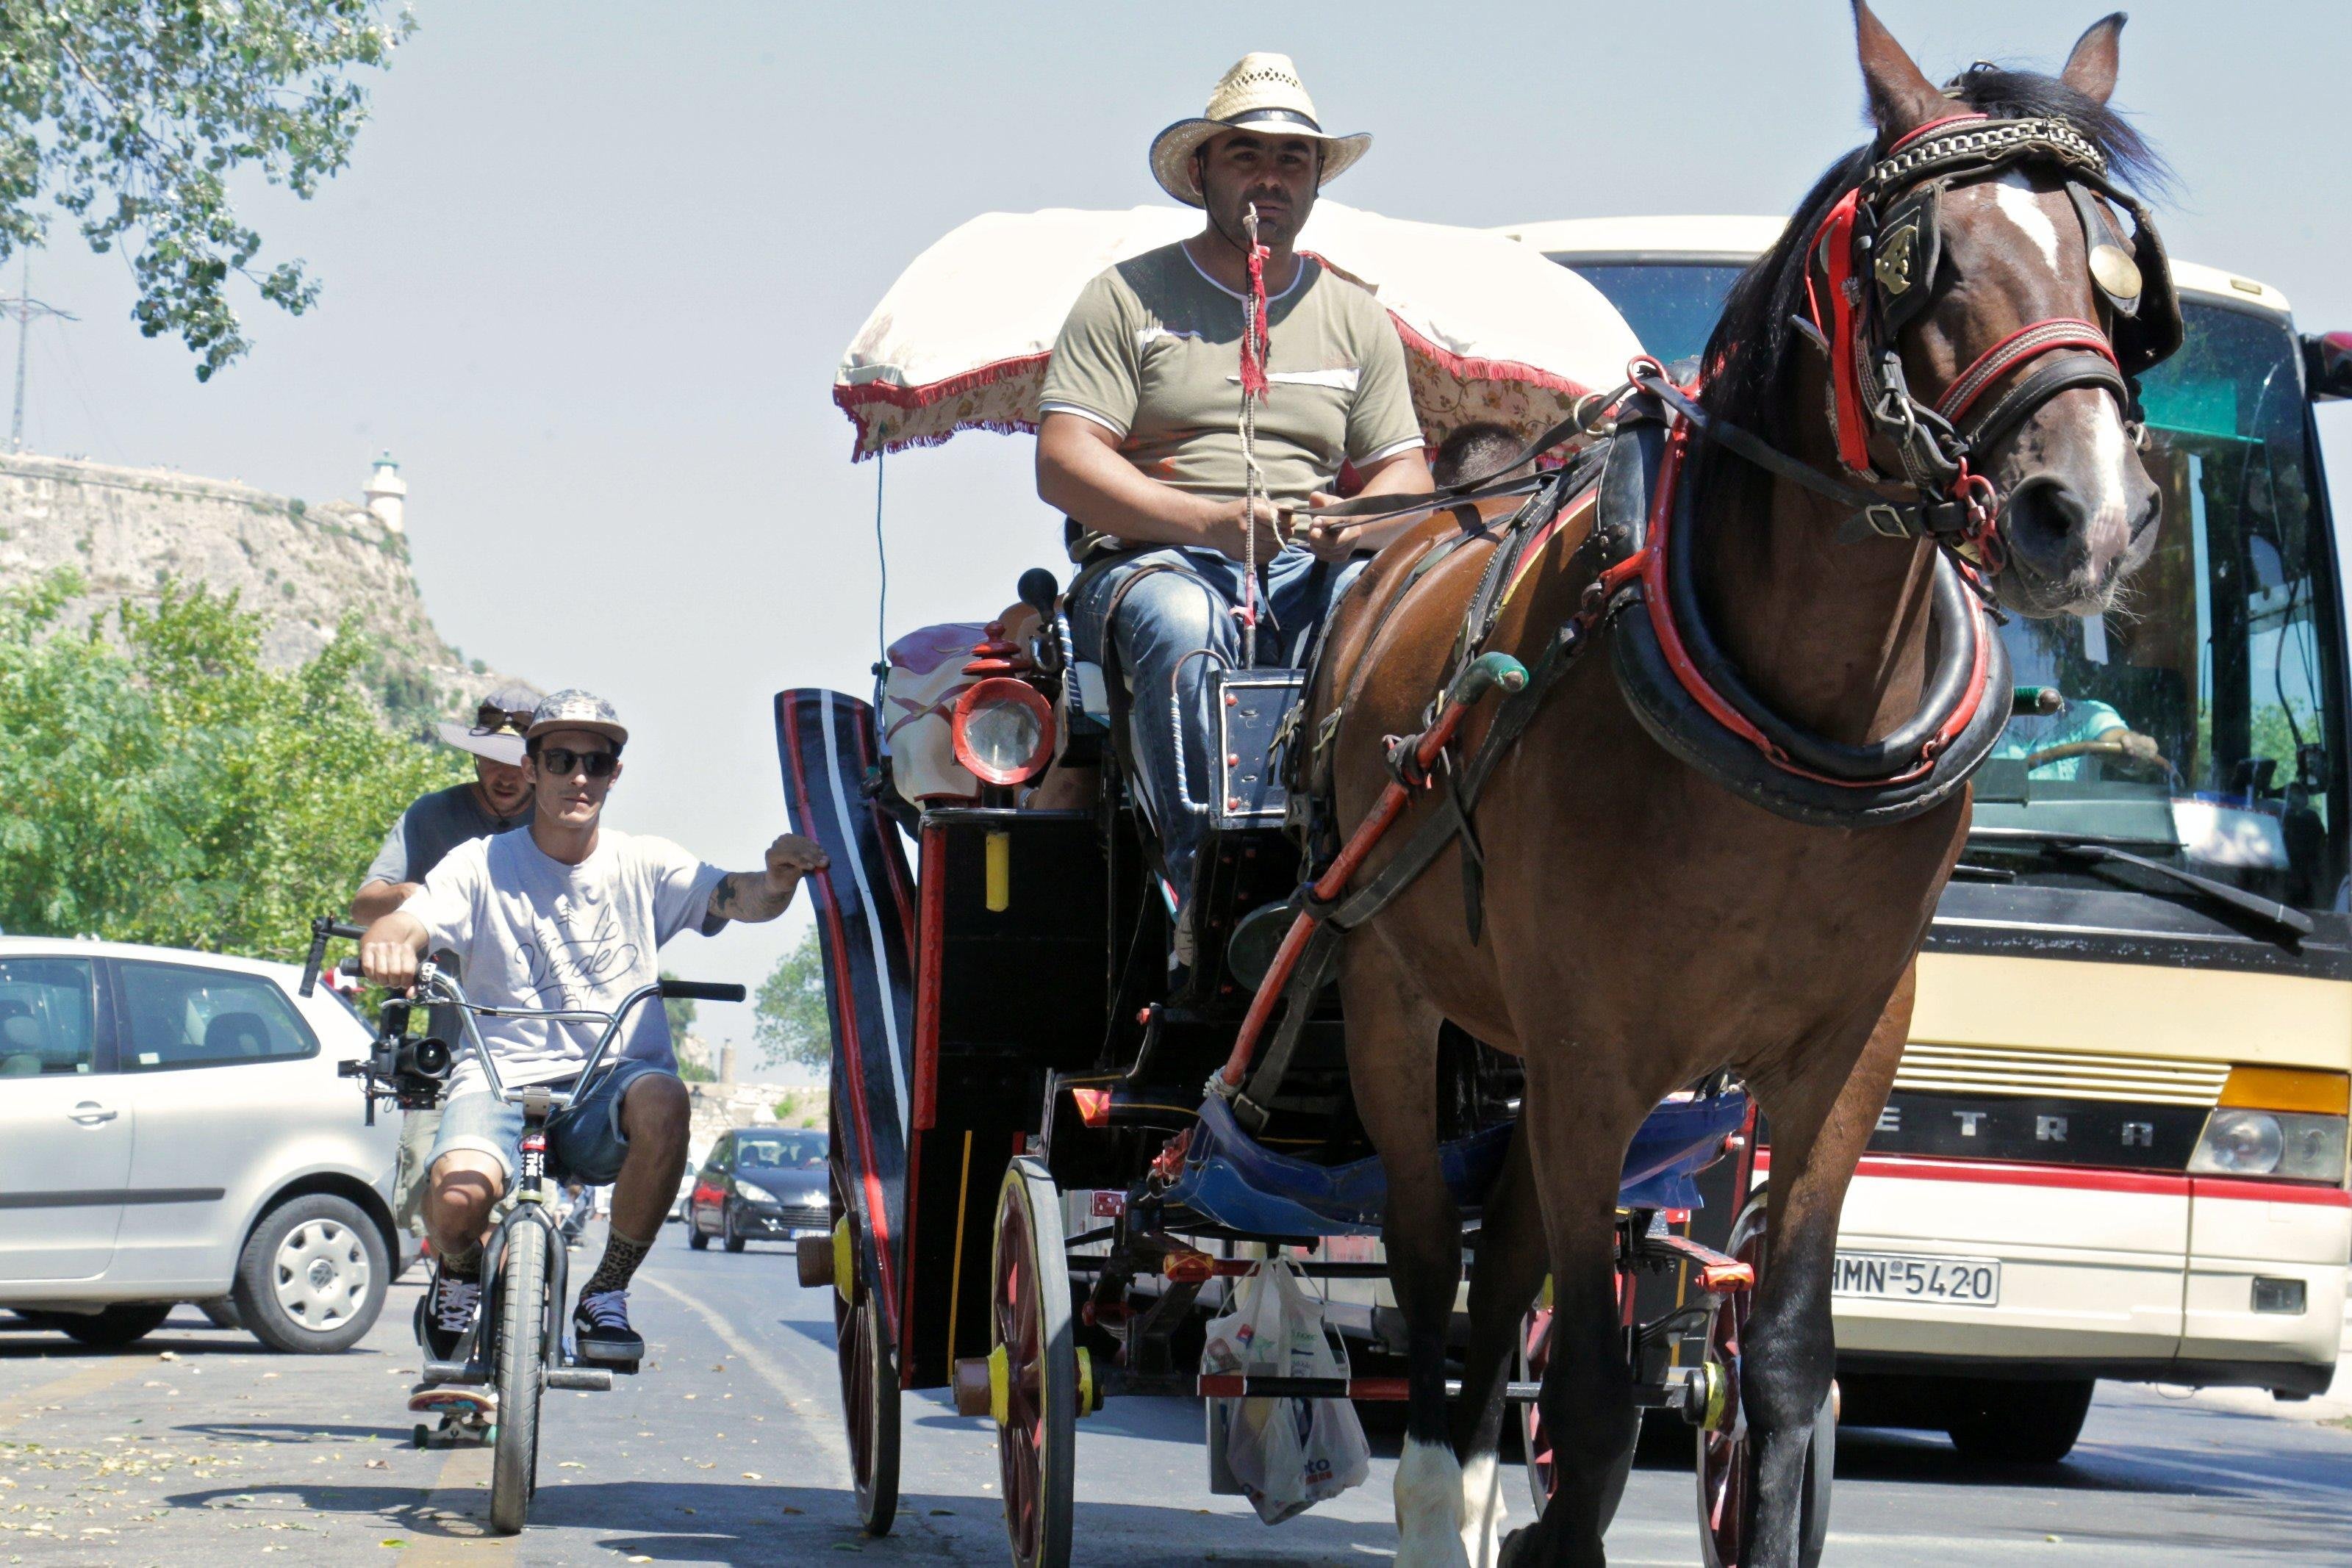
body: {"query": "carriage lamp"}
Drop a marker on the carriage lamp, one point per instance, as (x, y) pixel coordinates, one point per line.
(2276, 1122)
(1002, 731)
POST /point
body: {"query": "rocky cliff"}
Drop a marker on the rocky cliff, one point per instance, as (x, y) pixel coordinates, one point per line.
(301, 566)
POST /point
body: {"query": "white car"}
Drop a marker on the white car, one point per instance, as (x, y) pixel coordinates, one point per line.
(173, 1128)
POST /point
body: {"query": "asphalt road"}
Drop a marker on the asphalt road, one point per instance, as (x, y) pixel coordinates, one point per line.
(196, 1448)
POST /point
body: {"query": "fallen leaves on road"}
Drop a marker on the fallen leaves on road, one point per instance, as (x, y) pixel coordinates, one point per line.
(754, 1476)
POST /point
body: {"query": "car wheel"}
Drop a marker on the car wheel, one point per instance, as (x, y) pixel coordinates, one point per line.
(694, 1233)
(727, 1228)
(313, 1276)
(222, 1311)
(116, 1326)
(2000, 1422)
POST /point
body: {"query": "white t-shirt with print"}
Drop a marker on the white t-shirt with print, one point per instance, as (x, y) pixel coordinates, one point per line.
(531, 932)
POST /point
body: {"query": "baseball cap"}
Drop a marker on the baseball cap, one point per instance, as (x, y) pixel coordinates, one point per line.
(499, 720)
(572, 708)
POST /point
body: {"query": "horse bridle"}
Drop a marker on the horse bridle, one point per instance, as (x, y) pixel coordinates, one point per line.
(1875, 257)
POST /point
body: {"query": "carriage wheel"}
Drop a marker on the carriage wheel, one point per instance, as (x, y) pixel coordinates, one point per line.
(1535, 1354)
(1033, 1366)
(1726, 1461)
(869, 1371)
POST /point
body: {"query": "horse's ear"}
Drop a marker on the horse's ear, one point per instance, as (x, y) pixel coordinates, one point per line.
(1901, 97)
(2091, 69)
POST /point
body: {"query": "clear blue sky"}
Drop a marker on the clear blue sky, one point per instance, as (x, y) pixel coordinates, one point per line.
(593, 265)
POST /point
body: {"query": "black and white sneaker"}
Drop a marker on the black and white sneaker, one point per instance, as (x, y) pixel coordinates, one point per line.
(447, 1314)
(600, 1325)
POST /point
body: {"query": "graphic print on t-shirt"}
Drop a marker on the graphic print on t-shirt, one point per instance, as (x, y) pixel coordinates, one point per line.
(572, 963)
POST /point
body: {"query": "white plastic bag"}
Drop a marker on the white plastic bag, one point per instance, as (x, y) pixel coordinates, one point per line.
(1287, 1454)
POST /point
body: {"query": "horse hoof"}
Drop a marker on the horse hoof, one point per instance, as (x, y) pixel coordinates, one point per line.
(1513, 1545)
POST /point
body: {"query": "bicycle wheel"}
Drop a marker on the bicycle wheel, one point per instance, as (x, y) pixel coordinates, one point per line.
(521, 1366)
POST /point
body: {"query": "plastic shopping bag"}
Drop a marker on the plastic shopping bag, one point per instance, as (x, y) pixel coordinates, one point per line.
(1286, 1454)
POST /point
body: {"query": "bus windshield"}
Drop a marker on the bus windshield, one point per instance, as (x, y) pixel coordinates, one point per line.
(2202, 720)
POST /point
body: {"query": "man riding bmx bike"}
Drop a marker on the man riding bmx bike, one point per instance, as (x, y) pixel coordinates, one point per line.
(565, 914)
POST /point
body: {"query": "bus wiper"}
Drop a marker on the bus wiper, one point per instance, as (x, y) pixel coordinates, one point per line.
(2092, 851)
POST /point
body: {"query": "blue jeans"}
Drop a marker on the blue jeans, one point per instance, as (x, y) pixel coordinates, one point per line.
(583, 1139)
(1169, 630)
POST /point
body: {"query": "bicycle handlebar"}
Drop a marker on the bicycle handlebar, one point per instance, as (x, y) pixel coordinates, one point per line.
(702, 990)
(325, 927)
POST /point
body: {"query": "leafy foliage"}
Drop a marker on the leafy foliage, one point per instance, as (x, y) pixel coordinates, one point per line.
(132, 116)
(789, 1022)
(680, 1010)
(162, 785)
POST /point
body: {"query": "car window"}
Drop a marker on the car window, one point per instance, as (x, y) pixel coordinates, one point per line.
(794, 1151)
(178, 1015)
(47, 1006)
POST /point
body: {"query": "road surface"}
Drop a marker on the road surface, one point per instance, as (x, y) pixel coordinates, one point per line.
(194, 1449)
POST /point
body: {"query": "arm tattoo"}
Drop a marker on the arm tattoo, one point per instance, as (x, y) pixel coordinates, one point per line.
(743, 895)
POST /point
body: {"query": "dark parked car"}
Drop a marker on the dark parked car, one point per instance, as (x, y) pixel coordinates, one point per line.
(760, 1183)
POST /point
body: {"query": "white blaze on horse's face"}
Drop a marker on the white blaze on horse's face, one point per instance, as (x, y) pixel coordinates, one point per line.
(2078, 505)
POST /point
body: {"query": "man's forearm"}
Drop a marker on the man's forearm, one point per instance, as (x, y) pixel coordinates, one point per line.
(745, 895)
(375, 900)
(1081, 475)
(1407, 474)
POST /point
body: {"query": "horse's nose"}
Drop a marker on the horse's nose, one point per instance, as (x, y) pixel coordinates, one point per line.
(2048, 527)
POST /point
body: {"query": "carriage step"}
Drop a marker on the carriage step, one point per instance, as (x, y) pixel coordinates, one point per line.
(1372, 1390)
(1715, 1273)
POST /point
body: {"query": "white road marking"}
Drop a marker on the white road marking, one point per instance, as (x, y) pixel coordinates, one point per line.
(815, 1409)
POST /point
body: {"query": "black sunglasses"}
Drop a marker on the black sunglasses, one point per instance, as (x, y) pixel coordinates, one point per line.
(492, 719)
(562, 762)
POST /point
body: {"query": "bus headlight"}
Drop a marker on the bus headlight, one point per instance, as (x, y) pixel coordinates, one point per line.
(1002, 730)
(2296, 1145)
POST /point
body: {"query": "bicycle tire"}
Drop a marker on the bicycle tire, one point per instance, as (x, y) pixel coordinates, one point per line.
(521, 1376)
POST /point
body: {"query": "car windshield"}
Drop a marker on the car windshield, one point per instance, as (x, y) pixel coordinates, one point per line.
(2202, 721)
(780, 1152)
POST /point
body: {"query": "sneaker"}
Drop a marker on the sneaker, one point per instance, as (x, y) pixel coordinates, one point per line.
(601, 1325)
(447, 1313)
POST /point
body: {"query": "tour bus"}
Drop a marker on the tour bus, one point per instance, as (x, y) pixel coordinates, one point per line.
(2117, 1146)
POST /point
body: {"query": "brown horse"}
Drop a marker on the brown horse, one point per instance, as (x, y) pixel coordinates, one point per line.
(1645, 925)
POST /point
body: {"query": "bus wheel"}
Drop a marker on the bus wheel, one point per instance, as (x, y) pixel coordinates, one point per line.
(1997, 1422)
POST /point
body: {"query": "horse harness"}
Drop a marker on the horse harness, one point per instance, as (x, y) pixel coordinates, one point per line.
(1877, 256)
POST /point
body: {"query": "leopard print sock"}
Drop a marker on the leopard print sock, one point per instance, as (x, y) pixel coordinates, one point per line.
(622, 1257)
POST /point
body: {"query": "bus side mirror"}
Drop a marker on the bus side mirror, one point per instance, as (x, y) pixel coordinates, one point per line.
(2327, 365)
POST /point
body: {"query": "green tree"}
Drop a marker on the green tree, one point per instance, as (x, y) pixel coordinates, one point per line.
(161, 785)
(789, 1022)
(132, 115)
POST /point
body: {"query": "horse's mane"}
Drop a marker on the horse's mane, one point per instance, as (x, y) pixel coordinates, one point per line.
(1754, 345)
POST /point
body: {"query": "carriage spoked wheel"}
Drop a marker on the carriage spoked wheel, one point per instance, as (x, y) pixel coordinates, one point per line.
(1534, 1356)
(1033, 1366)
(1726, 1459)
(869, 1370)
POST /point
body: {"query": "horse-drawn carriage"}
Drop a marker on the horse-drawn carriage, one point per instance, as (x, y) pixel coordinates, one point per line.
(1050, 1160)
(1059, 1131)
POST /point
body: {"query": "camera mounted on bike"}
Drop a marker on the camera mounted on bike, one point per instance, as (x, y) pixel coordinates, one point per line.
(411, 1072)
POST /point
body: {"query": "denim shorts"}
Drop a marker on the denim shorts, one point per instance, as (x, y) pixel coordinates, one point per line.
(584, 1140)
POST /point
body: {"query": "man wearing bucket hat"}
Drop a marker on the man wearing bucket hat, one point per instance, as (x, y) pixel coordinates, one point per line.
(495, 802)
(566, 912)
(1142, 441)
(433, 824)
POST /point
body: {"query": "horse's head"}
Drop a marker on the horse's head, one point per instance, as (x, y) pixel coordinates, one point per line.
(1997, 260)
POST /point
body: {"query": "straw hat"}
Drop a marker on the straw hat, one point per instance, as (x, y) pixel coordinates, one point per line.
(1262, 92)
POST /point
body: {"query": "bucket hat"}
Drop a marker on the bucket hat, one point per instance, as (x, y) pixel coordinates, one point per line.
(499, 720)
(1261, 92)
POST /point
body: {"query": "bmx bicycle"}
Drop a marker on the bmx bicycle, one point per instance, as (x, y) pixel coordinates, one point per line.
(490, 1388)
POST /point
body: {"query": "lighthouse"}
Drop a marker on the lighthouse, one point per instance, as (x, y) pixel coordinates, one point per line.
(386, 493)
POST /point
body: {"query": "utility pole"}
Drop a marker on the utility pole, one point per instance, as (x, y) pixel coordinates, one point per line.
(22, 307)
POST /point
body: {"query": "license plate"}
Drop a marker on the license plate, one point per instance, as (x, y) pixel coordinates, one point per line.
(1894, 1277)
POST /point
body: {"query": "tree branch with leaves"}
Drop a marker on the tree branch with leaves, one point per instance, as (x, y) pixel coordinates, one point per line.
(132, 115)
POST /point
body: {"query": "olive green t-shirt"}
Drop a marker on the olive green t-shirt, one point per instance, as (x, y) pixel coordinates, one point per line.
(1152, 351)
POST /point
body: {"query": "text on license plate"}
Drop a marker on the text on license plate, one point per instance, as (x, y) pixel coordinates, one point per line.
(1890, 1276)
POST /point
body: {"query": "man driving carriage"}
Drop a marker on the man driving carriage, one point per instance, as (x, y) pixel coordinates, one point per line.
(1142, 441)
